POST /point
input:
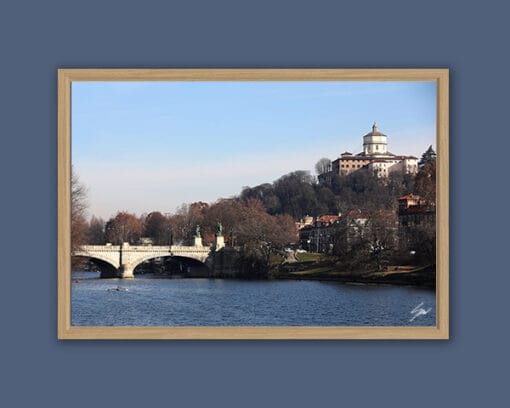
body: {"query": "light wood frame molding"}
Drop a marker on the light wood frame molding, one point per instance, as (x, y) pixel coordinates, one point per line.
(67, 331)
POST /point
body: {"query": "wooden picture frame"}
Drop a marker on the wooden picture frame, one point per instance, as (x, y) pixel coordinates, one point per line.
(67, 331)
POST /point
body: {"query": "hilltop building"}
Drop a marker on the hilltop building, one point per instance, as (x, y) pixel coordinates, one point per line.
(375, 156)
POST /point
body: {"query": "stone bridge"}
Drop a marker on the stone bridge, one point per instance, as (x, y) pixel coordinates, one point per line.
(125, 258)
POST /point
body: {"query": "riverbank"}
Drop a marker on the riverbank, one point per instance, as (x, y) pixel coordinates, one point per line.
(424, 276)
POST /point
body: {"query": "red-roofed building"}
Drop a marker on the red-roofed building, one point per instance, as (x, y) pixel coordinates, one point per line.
(410, 200)
(319, 235)
(328, 230)
(328, 219)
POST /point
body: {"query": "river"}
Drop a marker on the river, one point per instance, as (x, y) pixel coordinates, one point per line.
(152, 301)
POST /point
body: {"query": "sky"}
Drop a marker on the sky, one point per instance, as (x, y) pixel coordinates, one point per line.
(152, 146)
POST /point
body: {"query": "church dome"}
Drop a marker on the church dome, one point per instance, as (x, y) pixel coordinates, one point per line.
(375, 142)
(375, 131)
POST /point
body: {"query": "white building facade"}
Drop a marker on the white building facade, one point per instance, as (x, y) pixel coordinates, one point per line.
(375, 157)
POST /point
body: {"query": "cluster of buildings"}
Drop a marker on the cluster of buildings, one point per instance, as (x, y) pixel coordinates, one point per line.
(375, 157)
(414, 214)
(321, 234)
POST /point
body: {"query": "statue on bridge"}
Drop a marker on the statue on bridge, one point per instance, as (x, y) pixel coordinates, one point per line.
(197, 231)
(219, 230)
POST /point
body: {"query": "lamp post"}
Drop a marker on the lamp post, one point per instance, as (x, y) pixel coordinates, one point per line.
(170, 236)
(120, 248)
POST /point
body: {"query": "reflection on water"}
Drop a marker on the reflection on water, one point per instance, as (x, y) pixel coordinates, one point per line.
(151, 301)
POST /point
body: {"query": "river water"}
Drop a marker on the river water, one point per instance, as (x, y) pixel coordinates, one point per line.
(152, 301)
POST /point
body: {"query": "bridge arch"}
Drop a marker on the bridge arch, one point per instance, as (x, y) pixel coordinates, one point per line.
(176, 264)
(107, 268)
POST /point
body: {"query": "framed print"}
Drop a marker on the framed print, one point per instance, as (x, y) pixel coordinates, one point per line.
(253, 204)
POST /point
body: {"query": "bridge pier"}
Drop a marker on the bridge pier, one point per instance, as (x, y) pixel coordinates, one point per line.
(126, 271)
(219, 242)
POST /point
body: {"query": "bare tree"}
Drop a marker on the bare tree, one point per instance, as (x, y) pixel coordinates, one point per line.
(157, 227)
(124, 227)
(95, 235)
(185, 221)
(79, 224)
(78, 211)
(366, 241)
(323, 166)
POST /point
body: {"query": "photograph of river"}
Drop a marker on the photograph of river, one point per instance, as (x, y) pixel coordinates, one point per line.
(253, 203)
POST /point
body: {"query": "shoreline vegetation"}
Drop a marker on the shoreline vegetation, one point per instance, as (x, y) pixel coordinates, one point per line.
(316, 267)
(327, 270)
(296, 265)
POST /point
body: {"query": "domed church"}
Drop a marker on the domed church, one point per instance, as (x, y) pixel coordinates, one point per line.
(375, 156)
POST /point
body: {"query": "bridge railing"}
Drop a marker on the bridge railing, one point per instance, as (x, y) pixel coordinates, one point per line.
(144, 248)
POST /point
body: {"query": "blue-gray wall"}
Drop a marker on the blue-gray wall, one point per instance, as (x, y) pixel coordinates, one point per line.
(37, 38)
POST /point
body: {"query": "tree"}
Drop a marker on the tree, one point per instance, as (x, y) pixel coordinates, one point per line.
(78, 211)
(327, 201)
(124, 227)
(422, 242)
(157, 227)
(185, 221)
(228, 212)
(399, 184)
(260, 235)
(381, 239)
(252, 230)
(296, 194)
(428, 157)
(366, 241)
(362, 190)
(425, 183)
(95, 233)
(323, 166)
(265, 193)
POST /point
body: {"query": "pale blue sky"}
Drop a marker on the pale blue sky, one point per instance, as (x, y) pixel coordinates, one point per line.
(151, 146)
